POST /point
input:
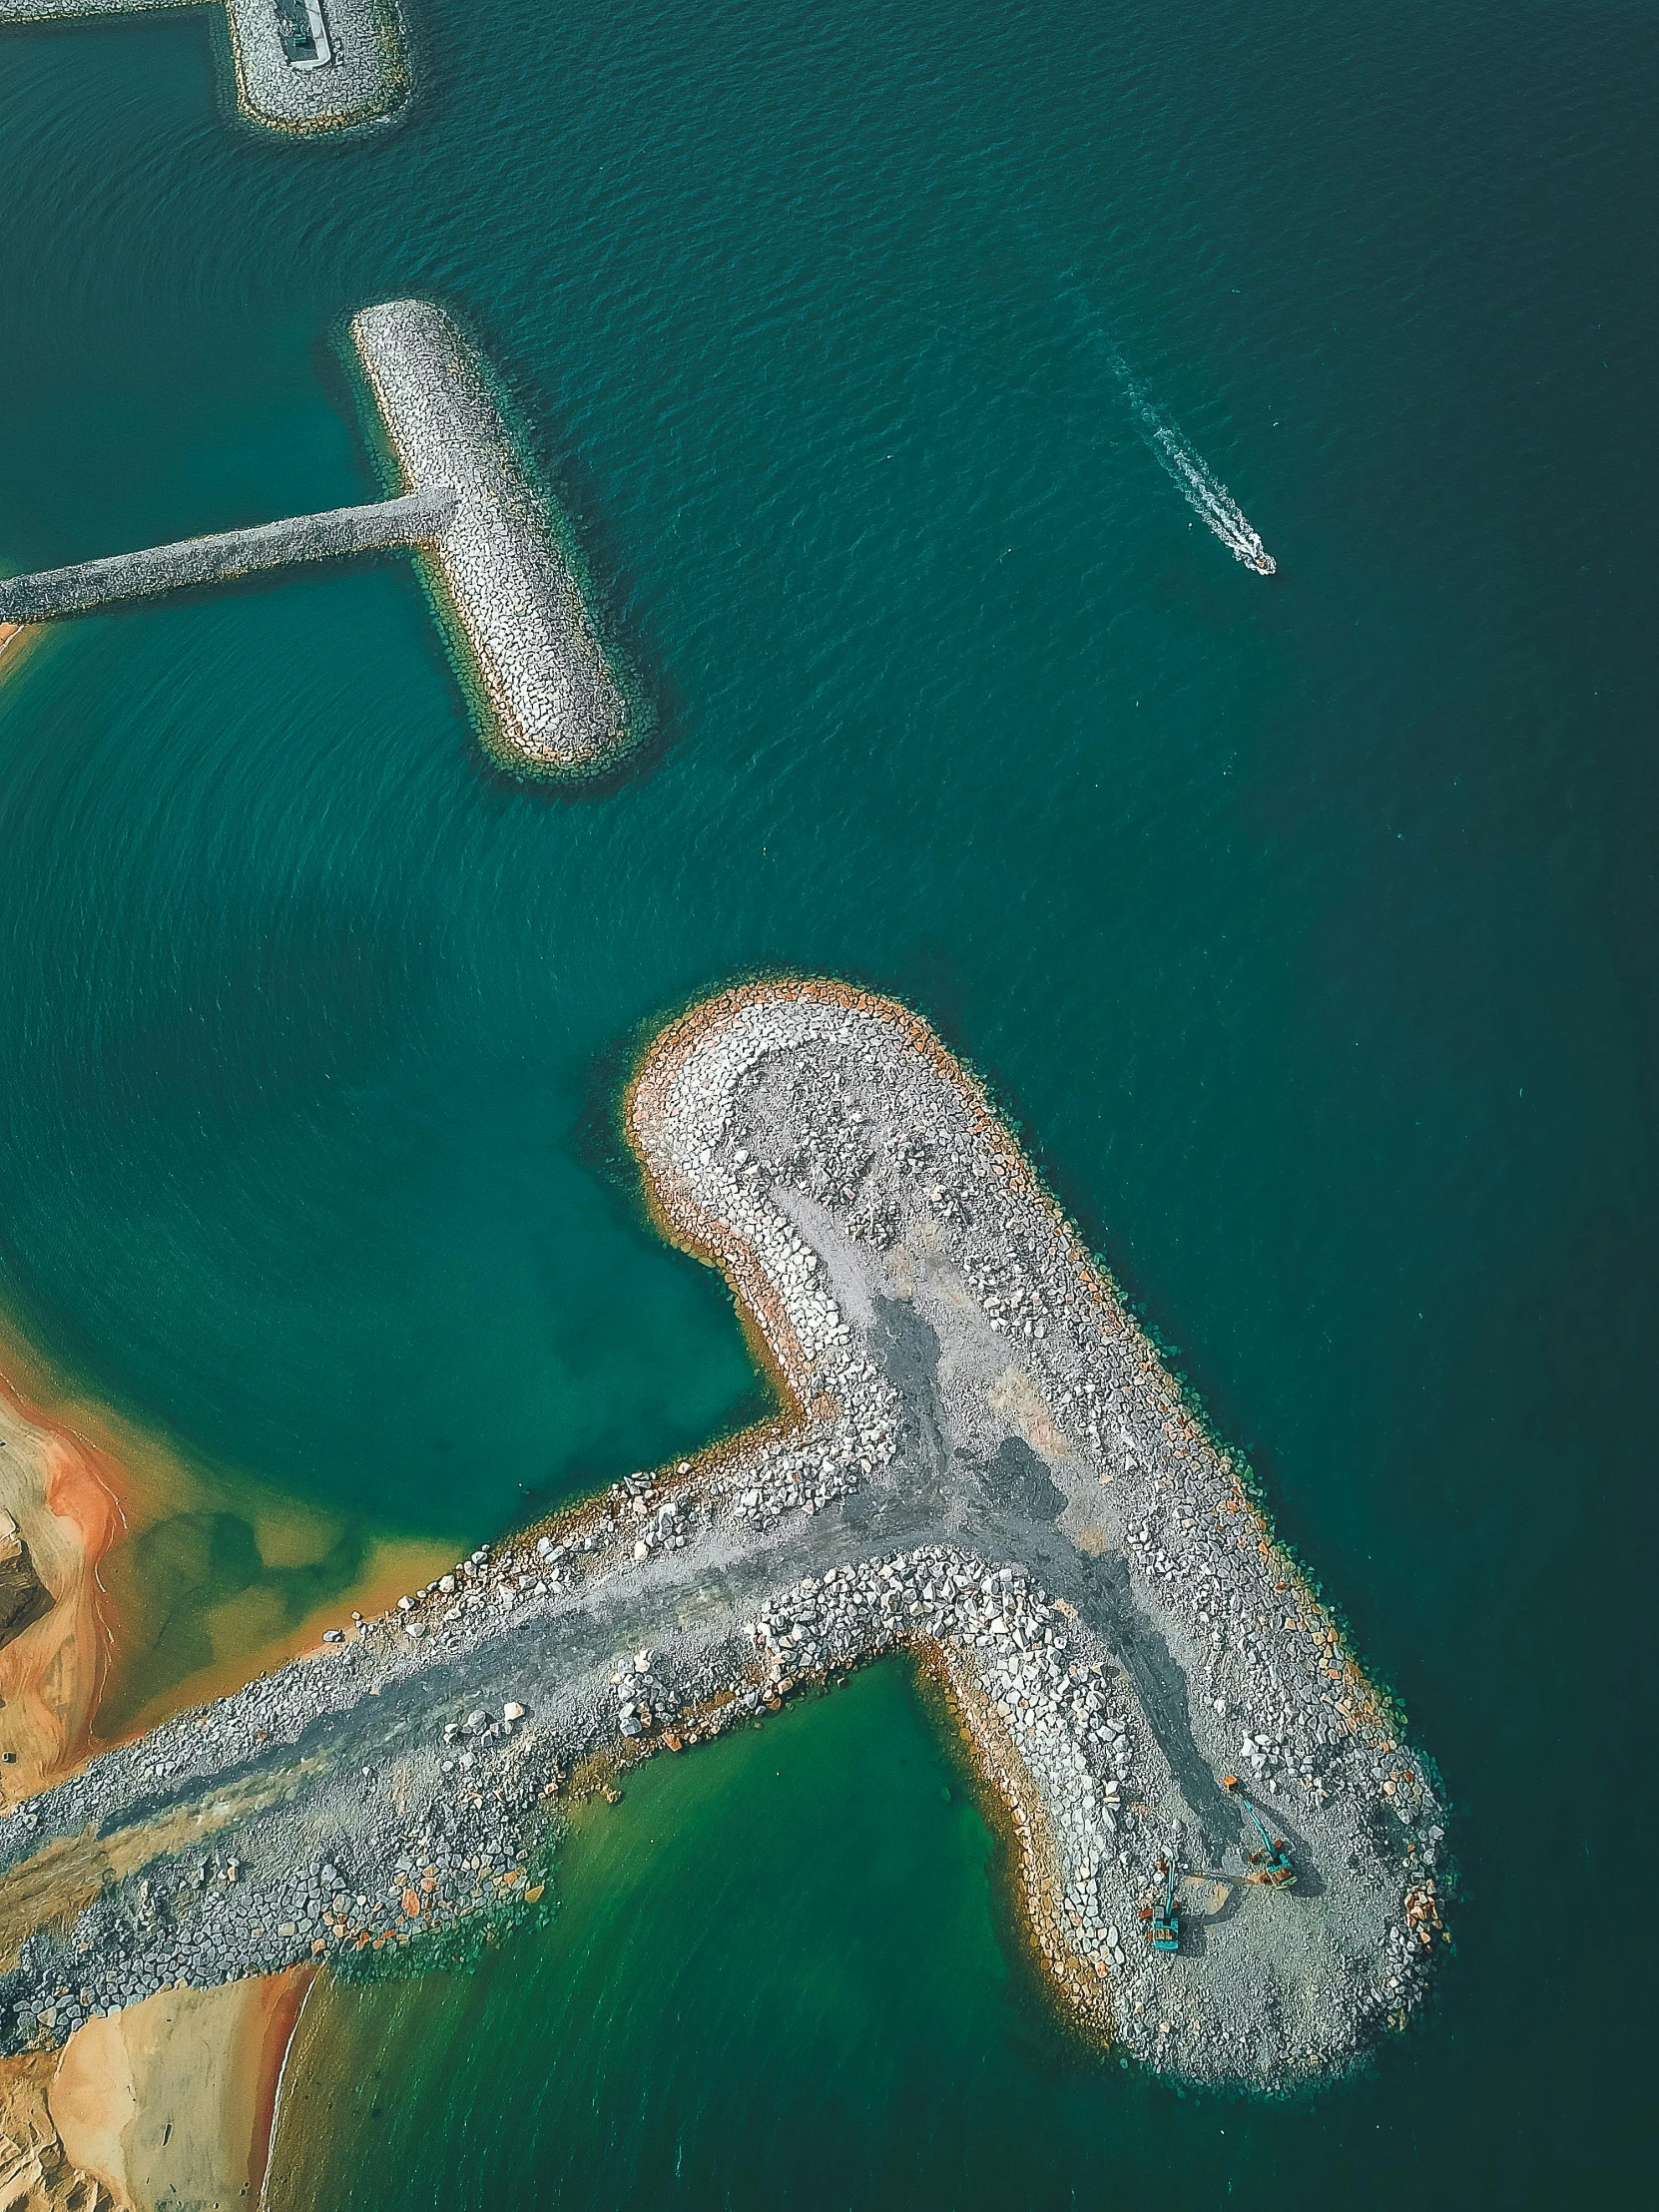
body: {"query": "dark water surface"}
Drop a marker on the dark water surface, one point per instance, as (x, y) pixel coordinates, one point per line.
(1307, 927)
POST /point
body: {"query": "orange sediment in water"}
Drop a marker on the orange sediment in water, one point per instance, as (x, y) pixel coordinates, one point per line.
(106, 1510)
(61, 1495)
(195, 1578)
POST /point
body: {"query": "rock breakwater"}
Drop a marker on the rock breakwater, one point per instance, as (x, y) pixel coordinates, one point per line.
(546, 698)
(287, 77)
(984, 1462)
(220, 559)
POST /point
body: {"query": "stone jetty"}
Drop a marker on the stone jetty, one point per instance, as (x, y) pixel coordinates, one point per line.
(982, 1462)
(298, 64)
(529, 658)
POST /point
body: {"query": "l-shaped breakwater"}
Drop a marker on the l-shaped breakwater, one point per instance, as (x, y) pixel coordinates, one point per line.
(529, 653)
(983, 1460)
(298, 64)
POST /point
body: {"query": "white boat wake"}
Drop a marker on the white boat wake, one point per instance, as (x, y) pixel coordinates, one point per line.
(1205, 495)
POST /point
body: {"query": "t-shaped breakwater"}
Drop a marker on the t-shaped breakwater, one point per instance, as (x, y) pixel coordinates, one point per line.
(984, 1461)
(507, 593)
(298, 64)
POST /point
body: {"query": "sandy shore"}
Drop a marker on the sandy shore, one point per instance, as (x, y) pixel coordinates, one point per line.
(14, 643)
(66, 1512)
(57, 1492)
(169, 2102)
(167, 2107)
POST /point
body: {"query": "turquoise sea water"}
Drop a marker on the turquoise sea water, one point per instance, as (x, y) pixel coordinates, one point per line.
(1306, 926)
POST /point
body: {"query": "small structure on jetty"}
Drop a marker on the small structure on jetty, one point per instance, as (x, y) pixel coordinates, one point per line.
(507, 594)
(298, 64)
(304, 35)
(984, 1462)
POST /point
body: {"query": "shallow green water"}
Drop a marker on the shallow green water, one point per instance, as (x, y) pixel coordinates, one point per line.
(776, 1974)
(1308, 927)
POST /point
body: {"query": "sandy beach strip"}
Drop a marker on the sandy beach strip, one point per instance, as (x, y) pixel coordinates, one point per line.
(171, 2101)
(14, 643)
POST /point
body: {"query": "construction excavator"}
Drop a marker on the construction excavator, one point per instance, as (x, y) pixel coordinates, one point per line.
(1271, 1865)
(1163, 1929)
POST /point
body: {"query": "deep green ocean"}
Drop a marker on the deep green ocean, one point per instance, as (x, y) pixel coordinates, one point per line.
(1306, 926)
